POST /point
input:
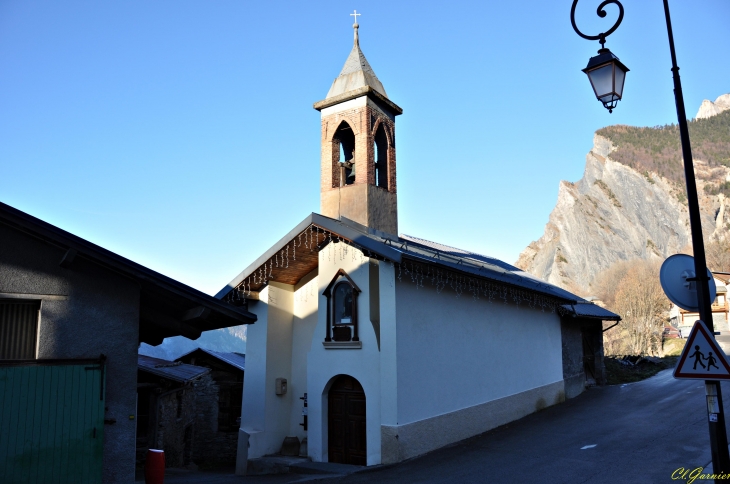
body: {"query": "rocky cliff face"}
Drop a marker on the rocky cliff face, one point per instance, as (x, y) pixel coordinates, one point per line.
(708, 108)
(618, 213)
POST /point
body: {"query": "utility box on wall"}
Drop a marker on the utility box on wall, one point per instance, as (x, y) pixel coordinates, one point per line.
(281, 386)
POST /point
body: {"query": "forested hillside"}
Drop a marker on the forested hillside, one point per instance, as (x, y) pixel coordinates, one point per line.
(658, 149)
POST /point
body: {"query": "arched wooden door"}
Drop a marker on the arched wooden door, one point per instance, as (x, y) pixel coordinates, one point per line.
(346, 422)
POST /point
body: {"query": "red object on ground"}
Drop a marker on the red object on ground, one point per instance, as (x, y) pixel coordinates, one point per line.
(154, 468)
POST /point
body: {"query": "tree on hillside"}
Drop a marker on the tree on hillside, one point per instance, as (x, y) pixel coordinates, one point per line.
(607, 282)
(641, 303)
(632, 290)
(717, 255)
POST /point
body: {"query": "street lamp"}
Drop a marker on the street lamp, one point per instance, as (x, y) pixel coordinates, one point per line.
(718, 434)
(607, 75)
(605, 71)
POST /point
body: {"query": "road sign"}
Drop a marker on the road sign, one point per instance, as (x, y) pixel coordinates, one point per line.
(702, 358)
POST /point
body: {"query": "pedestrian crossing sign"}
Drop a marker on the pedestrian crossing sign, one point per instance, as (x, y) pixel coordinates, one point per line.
(702, 358)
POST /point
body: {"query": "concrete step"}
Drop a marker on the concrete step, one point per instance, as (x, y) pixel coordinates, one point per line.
(279, 464)
(310, 467)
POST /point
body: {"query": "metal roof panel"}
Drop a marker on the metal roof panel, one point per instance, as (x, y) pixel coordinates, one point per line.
(172, 370)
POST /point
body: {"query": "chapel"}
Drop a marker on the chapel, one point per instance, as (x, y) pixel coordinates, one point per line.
(377, 347)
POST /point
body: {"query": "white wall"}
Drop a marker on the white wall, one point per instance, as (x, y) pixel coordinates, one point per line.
(388, 346)
(254, 382)
(455, 353)
(265, 415)
(306, 298)
(362, 364)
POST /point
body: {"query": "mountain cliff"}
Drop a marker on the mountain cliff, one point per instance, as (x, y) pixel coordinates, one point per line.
(631, 202)
(708, 108)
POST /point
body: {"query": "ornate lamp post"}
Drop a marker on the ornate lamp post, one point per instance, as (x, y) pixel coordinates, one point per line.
(605, 71)
(615, 71)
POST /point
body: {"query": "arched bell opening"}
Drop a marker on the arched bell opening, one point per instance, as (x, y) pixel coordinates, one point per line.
(380, 158)
(343, 162)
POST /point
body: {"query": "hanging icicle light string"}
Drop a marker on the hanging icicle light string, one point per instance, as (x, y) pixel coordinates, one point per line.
(315, 238)
(479, 288)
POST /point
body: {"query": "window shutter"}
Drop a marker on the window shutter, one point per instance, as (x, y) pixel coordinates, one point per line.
(18, 329)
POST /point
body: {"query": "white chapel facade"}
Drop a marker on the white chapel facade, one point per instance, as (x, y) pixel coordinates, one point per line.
(401, 345)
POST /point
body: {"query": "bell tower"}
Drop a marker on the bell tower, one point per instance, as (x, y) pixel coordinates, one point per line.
(358, 177)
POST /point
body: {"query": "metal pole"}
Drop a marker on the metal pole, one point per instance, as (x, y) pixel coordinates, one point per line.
(718, 433)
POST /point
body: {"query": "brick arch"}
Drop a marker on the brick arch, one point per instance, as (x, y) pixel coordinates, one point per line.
(386, 128)
(381, 172)
(334, 124)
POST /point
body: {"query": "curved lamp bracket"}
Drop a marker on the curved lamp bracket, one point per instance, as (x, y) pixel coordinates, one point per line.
(601, 13)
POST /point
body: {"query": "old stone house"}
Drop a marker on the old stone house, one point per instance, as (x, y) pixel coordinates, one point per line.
(218, 404)
(168, 408)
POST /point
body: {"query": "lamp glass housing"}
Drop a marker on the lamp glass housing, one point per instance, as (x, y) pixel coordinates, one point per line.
(607, 75)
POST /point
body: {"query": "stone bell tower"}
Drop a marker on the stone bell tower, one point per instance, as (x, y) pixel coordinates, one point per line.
(358, 177)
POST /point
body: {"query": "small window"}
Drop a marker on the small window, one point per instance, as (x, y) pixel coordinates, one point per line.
(18, 329)
(341, 296)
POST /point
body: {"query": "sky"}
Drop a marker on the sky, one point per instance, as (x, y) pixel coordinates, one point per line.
(181, 134)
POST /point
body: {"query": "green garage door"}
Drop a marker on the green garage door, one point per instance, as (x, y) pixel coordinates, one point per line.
(51, 421)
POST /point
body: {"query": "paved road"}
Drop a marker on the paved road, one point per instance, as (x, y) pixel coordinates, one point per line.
(640, 433)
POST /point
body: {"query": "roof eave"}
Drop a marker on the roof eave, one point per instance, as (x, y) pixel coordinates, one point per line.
(362, 91)
(151, 283)
(335, 226)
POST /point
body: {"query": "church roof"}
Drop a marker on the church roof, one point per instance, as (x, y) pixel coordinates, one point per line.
(356, 73)
(296, 255)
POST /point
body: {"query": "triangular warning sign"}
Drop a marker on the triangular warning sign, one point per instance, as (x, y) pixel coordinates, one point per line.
(702, 358)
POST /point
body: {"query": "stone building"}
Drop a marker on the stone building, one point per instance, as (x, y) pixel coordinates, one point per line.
(387, 346)
(218, 404)
(168, 408)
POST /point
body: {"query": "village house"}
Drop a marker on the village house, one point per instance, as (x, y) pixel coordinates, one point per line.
(378, 347)
(72, 316)
(216, 432)
(684, 320)
(168, 406)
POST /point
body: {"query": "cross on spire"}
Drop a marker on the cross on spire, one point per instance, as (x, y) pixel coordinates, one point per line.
(355, 15)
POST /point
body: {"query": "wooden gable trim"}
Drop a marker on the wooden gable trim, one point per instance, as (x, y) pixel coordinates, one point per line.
(340, 273)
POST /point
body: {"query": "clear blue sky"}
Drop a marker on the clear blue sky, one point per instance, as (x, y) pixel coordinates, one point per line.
(181, 134)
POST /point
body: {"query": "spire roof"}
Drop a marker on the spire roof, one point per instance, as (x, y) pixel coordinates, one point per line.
(356, 73)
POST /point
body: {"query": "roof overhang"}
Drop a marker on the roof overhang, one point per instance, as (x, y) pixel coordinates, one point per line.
(588, 310)
(355, 93)
(167, 307)
(296, 255)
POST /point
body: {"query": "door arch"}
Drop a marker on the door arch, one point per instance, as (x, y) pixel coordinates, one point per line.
(346, 423)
